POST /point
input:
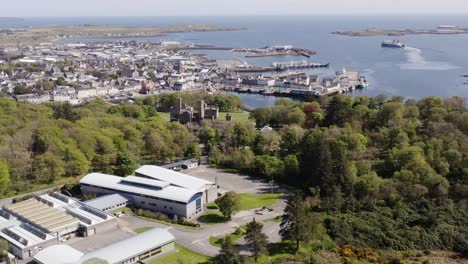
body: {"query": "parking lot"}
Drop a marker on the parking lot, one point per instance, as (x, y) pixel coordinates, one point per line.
(229, 181)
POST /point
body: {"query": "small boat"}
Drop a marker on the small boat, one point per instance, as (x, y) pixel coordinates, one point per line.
(392, 44)
(363, 84)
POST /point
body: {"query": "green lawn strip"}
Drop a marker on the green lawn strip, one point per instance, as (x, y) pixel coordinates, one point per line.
(168, 223)
(212, 206)
(277, 219)
(142, 229)
(216, 241)
(183, 255)
(249, 201)
(211, 218)
(238, 117)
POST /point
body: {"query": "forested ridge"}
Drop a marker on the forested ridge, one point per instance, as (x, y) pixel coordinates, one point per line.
(383, 173)
(380, 173)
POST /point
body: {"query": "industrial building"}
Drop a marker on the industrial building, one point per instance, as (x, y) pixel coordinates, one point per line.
(39, 222)
(182, 165)
(207, 188)
(136, 249)
(146, 193)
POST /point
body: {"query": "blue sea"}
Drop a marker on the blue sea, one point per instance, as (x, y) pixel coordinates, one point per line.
(431, 65)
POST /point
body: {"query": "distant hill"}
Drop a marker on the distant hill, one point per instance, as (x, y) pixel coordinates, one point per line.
(11, 19)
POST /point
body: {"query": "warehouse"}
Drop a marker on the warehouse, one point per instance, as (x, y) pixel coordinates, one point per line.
(37, 223)
(142, 247)
(146, 193)
(209, 189)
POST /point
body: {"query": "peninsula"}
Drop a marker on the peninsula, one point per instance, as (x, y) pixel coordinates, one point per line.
(402, 32)
(42, 34)
(13, 19)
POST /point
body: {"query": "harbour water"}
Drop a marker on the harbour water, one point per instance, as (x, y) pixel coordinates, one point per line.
(430, 65)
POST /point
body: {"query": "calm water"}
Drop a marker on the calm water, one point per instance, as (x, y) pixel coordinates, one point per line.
(432, 65)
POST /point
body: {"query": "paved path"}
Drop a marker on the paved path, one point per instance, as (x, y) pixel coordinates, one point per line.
(198, 240)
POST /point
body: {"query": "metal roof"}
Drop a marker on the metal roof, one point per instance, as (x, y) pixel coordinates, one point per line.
(114, 253)
(42, 215)
(179, 163)
(133, 246)
(115, 183)
(145, 182)
(58, 254)
(106, 201)
(172, 177)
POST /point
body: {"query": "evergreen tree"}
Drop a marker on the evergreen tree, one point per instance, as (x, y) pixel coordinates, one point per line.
(228, 253)
(124, 164)
(255, 238)
(294, 225)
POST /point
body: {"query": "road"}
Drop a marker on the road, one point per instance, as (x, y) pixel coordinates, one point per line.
(198, 240)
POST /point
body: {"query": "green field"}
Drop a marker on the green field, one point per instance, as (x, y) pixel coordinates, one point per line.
(183, 255)
(249, 201)
(211, 218)
(142, 229)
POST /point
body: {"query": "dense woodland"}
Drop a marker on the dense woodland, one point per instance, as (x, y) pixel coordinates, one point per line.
(385, 174)
(380, 173)
(41, 144)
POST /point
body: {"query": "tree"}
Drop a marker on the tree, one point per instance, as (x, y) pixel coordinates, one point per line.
(255, 238)
(228, 204)
(228, 253)
(294, 225)
(124, 164)
(4, 177)
(192, 150)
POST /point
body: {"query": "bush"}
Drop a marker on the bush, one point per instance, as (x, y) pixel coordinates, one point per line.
(163, 217)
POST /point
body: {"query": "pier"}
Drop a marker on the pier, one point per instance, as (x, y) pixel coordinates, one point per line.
(279, 67)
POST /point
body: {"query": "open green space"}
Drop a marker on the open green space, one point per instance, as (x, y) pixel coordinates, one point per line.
(142, 229)
(183, 255)
(212, 206)
(211, 218)
(250, 201)
(216, 241)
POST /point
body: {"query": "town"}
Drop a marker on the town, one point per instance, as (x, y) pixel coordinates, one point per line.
(78, 73)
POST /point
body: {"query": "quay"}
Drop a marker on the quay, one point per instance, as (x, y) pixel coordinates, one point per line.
(279, 67)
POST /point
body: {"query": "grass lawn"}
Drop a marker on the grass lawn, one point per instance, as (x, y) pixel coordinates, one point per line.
(238, 117)
(212, 218)
(249, 201)
(212, 206)
(216, 241)
(164, 115)
(142, 229)
(183, 255)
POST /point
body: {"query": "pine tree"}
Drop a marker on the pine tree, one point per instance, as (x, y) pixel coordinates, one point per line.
(228, 253)
(255, 238)
(294, 225)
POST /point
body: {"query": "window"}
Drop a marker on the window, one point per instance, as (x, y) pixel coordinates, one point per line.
(170, 207)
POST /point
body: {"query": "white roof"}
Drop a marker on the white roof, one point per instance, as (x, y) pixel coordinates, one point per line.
(114, 253)
(133, 246)
(114, 182)
(172, 177)
(106, 201)
(58, 254)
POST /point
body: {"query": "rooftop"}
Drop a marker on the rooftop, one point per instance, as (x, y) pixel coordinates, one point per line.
(172, 177)
(121, 184)
(114, 253)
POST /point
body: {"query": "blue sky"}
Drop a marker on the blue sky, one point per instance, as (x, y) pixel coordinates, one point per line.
(28, 8)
